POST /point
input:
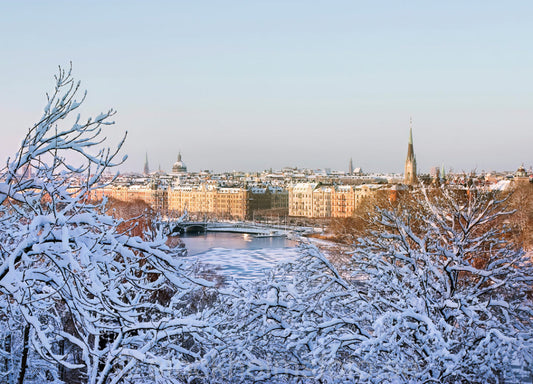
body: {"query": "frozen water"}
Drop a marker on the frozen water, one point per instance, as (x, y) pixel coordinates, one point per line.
(239, 256)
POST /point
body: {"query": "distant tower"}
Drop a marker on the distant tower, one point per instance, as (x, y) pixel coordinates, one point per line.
(350, 167)
(410, 162)
(442, 173)
(146, 168)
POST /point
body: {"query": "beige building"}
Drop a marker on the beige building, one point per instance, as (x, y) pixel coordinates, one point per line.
(321, 201)
(301, 199)
(155, 198)
(199, 199)
(237, 203)
(310, 200)
(232, 203)
(211, 201)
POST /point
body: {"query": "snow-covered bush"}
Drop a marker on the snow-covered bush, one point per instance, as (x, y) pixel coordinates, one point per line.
(435, 294)
(79, 299)
(300, 324)
(447, 292)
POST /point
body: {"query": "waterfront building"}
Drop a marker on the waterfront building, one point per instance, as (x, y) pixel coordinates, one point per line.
(310, 200)
(260, 199)
(343, 201)
(232, 203)
(301, 199)
(322, 200)
(156, 198)
(197, 199)
(315, 200)
(279, 198)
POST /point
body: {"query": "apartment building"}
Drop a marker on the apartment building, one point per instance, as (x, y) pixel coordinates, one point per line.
(316, 200)
(301, 199)
(232, 203)
(321, 200)
(343, 201)
(199, 199)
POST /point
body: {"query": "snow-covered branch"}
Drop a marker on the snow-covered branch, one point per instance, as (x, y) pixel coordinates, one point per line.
(87, 299)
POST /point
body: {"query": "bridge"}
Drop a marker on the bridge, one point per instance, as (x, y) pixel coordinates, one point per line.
(263, 230)
(187, 227)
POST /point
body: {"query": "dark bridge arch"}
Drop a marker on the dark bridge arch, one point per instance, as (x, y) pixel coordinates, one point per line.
(189, 228)
(194, 228)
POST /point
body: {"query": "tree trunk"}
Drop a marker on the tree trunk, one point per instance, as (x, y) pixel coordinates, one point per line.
(25, 352)
(61, 367)
(8, 360)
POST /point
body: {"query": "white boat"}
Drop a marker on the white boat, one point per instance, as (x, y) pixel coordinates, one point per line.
(271, 234)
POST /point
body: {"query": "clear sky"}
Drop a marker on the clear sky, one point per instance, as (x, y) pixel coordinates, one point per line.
(252, 85)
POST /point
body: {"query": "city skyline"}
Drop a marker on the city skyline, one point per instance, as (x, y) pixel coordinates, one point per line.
(255, 86)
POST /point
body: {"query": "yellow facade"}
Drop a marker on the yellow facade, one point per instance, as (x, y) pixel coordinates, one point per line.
(219, 202)
(232, 203)
(198, 199)
(321, 201)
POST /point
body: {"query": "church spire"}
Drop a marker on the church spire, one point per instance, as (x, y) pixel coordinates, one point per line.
(146, 168)
(410, 162)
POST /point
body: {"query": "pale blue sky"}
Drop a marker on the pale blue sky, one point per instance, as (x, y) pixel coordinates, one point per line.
(251, 85)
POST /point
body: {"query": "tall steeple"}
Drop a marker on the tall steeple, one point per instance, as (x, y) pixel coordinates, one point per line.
(146, 168)
(410, 162)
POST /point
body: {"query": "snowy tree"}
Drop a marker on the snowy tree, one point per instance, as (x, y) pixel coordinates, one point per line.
(447, 292)
(295, 325)
(435, 294)
(80, 300)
